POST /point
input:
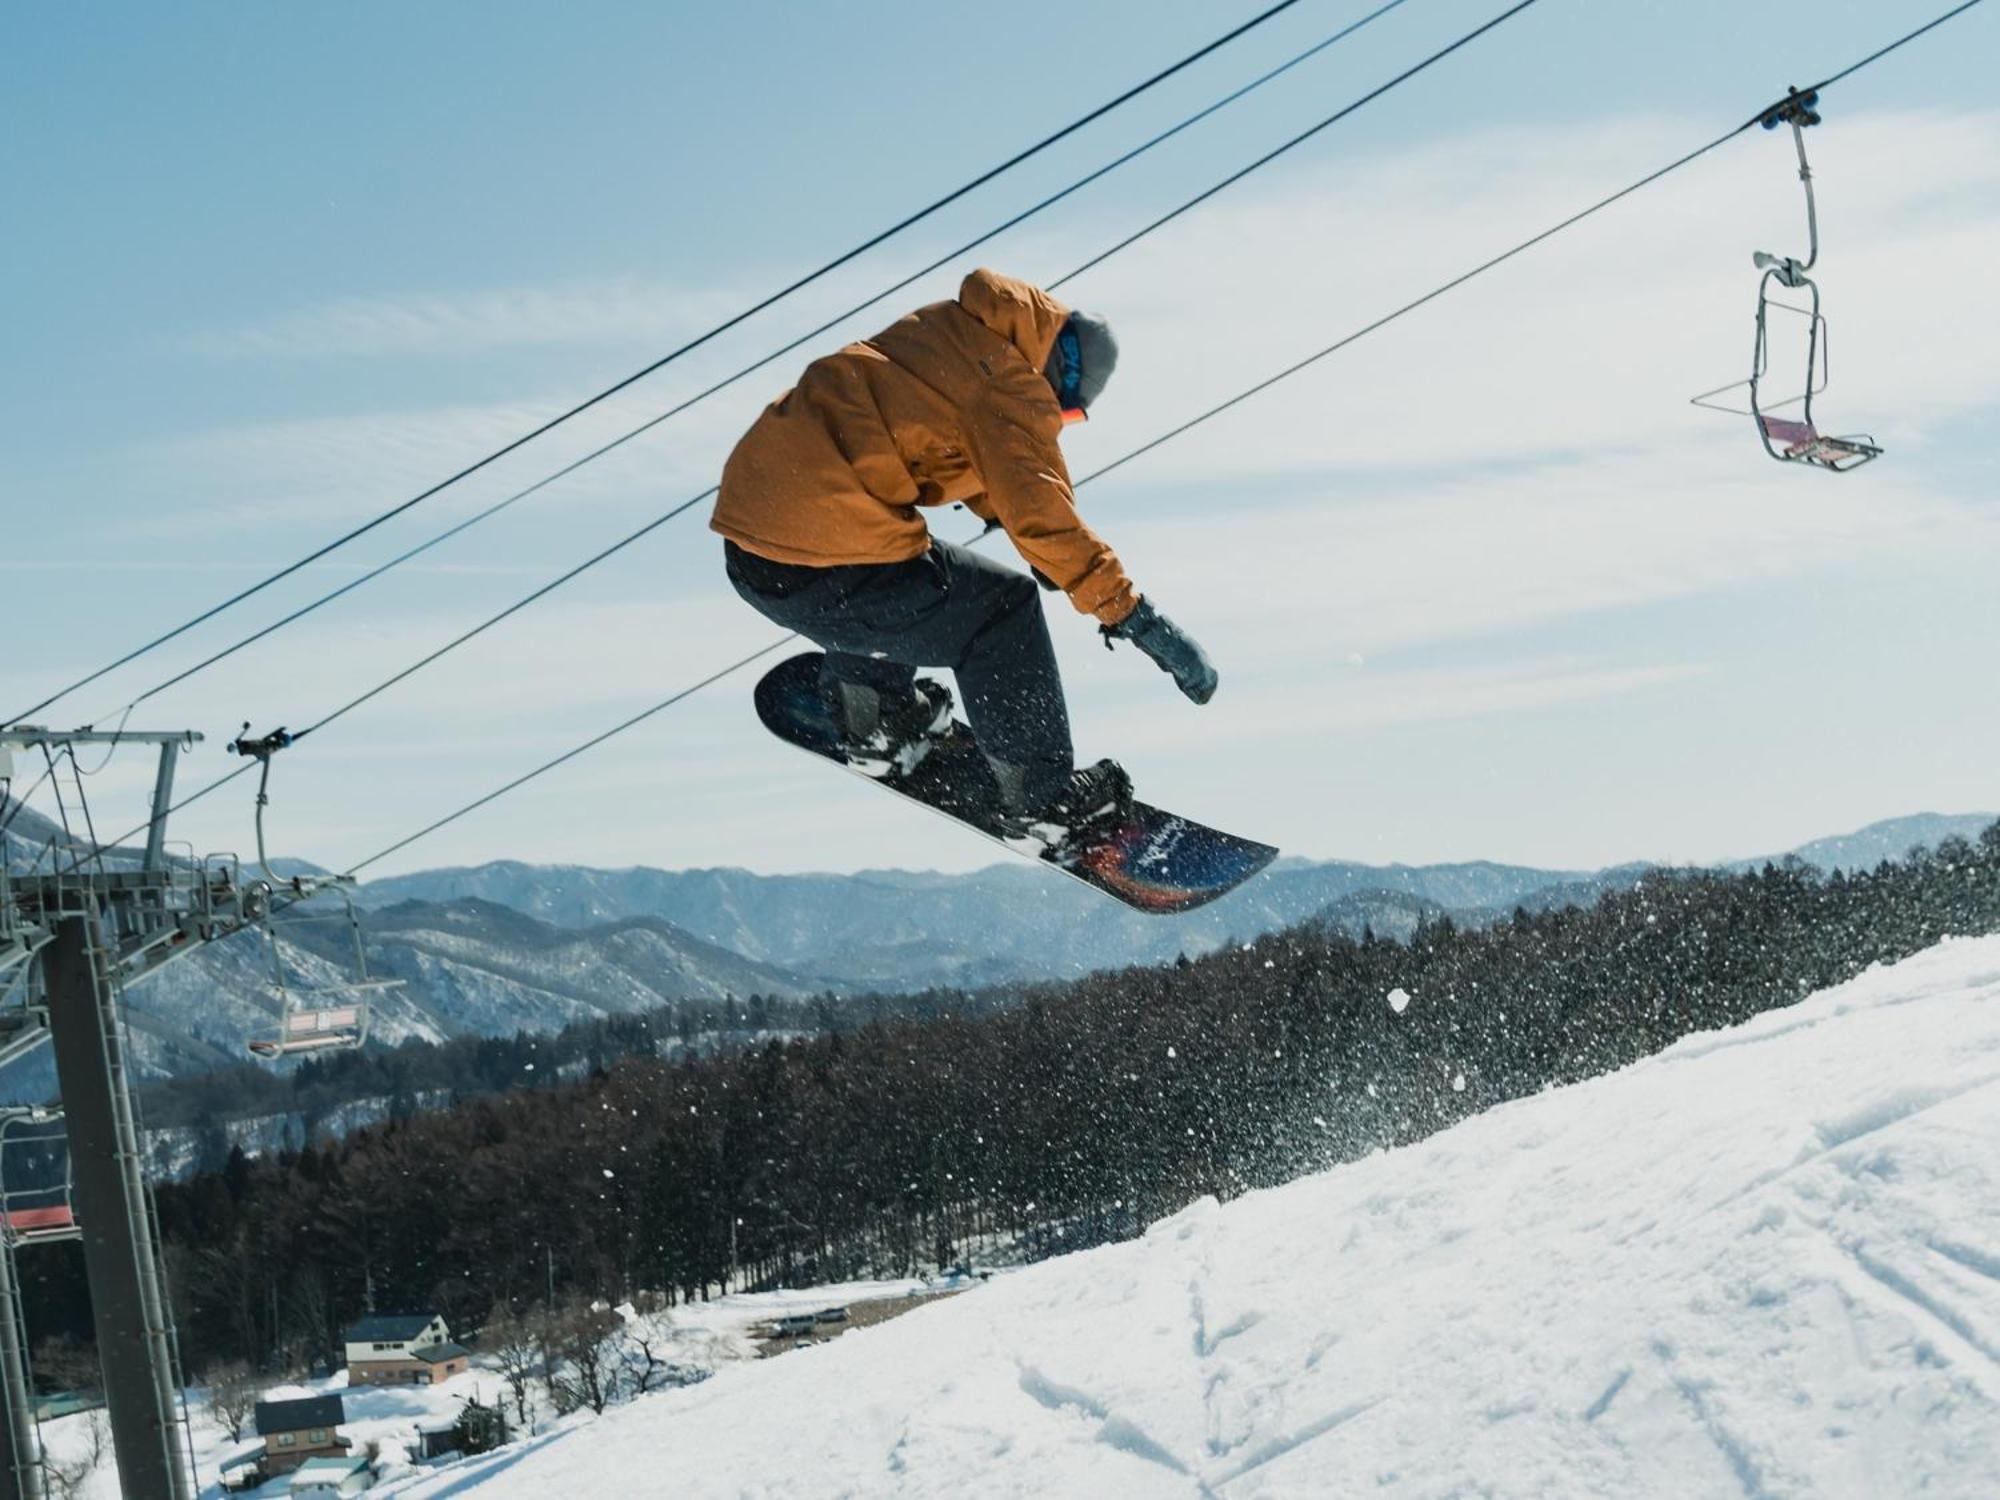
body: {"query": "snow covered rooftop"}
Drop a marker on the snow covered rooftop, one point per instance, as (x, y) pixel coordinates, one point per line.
(1766, 1262)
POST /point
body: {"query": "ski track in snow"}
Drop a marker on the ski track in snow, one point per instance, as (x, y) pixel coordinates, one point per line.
(1763, 1264)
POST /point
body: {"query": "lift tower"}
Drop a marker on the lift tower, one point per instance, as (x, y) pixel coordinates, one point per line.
(102, 919)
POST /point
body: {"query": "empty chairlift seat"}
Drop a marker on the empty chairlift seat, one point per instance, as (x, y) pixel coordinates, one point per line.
(35, 1201)
(307, 1030)
(1787, 439)
(1801, 442)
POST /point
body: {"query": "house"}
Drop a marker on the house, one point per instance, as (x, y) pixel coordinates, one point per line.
(296, 1431)
(331, 1478)
(403, 1349)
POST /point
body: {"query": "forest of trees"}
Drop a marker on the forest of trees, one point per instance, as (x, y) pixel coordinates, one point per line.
(1079, 1115)
(464, 1068)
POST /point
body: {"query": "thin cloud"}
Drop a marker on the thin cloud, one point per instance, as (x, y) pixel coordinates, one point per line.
(1272, 713)
(613, 311)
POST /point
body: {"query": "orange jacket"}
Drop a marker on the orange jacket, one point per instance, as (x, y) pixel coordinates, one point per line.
(948, 405)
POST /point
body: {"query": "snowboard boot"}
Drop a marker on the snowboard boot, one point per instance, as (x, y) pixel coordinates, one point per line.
(890, 739)
(1093, 798)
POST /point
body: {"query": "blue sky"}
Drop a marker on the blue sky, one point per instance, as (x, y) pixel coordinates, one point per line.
(1480, 587)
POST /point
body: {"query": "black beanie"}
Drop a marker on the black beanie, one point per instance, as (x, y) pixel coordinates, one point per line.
(1098, 357)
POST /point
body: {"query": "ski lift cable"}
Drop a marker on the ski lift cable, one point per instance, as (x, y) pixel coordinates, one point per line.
(686, 505)
(1193, 422)
(1013, 222)
(733, 321)
(1525, 245)
(1300, 139)
(1881, 52)
(414, 667)
(1177, 431)
(417, 666)
(572, 753)
(1403, 77)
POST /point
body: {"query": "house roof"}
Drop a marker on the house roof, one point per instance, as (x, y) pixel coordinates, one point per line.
(389, 1328)
(331, 1466)
(297, 1416)
(437, 1354)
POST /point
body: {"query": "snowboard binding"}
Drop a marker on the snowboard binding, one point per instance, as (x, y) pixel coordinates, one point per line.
(887, 741)
(1094, 800)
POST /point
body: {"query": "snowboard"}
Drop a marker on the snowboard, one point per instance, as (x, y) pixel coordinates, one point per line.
(1153, 861)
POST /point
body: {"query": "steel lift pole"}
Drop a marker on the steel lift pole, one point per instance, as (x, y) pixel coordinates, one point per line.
(134, 1341)
(98, 930)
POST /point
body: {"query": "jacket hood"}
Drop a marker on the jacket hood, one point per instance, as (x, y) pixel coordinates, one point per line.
(1025, 316)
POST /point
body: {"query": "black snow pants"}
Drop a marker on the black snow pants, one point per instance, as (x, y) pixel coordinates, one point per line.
(879, 622)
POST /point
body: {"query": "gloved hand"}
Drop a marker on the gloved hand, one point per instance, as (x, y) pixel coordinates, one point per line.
(1171, 648)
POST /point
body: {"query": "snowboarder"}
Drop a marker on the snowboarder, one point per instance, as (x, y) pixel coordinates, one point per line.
(960, 402)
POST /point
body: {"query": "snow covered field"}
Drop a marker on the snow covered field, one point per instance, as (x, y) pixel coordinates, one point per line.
(1765, 1263)
(706, 1335)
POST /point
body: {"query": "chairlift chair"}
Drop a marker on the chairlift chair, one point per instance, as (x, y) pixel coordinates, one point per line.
(319, 1018)
(36, 1203)
(1789, 439)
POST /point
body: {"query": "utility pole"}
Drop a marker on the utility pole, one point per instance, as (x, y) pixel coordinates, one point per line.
(110, 917)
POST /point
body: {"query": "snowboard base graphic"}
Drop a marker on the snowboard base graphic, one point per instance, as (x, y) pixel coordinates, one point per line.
(1153, 861)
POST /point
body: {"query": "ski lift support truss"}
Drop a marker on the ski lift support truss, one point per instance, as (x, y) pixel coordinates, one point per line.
(321, 1018)
(95, 923)
(100, 920)
(24, 1018)
(1787, 439)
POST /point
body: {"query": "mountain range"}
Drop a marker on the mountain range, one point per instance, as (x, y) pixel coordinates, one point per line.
(509, 946)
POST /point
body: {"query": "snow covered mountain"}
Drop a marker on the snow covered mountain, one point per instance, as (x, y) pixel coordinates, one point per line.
(900, 929)
(1765, 1262)
(903, 929)
(1868, 847)
(468, 968)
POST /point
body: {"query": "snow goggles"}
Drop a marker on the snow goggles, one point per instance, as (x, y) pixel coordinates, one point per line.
(1070, 395)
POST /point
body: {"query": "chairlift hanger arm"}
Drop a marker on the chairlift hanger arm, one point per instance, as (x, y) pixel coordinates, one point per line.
(261, 748)
(1798, 110)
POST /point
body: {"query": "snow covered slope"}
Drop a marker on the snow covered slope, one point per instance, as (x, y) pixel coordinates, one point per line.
(1765, 1263)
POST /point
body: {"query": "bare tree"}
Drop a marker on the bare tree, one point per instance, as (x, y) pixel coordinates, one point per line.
(232, 1398)
(645, 1341)
(515, 1342)
(579, 1363)
(69, 1478)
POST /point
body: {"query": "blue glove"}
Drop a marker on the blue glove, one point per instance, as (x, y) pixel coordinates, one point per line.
(1172, 649)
